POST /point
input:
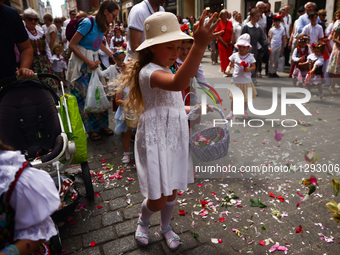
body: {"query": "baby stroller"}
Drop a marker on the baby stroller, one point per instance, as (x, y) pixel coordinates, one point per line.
(30, 122)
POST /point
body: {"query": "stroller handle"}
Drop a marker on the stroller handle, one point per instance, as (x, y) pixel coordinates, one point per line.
(37, 76)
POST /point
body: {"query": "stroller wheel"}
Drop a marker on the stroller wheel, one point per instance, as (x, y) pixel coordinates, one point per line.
(87, 181)
(55, 242)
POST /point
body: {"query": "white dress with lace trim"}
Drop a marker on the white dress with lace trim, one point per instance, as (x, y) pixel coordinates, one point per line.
(162, 153)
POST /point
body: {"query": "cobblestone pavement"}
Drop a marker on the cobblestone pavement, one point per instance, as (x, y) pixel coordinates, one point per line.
(215, 216)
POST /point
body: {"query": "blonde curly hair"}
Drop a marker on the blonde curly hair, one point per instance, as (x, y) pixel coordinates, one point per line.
(130, 78)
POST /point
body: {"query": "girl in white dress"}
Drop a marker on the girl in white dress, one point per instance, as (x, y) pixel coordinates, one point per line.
(243, 63)
(162, 140)
(28, 197)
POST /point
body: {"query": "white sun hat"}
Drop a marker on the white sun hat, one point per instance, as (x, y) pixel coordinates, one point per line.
(243, 40)
(162, 27)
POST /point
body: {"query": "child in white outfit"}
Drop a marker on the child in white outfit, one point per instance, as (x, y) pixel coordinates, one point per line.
(243, 63)
(28, 197)
(315, 61)
(277, 39)
(59, 64)
(162, 153)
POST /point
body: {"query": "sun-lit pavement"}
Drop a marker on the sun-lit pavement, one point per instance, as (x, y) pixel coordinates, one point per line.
(215, 215)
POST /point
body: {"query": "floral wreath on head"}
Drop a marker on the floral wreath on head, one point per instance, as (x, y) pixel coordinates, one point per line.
(185, 29)
(118, 51)
(304, 38)
(318, 45)
(337, 29)
(117, 28)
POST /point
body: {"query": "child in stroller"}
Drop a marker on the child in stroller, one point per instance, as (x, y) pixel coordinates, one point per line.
(28, 198)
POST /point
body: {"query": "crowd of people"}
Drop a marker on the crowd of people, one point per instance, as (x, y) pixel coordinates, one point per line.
(137, 62)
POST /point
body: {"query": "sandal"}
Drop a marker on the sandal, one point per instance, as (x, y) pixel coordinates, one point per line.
(332, 90)
(106, 131)
(139, 236)
(174, 237)
(94, 136)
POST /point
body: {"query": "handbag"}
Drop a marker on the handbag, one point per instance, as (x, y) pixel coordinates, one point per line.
(96, 100)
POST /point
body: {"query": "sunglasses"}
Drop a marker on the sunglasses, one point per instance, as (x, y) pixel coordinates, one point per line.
(33, 19)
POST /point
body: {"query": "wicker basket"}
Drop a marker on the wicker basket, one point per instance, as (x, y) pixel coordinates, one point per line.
(214, 151)
(131, 122)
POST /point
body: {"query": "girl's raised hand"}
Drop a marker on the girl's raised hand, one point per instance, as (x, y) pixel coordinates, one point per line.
(203, 34)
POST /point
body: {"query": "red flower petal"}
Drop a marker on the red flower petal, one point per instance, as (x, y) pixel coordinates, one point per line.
(199, 185)
(213, 193)
(180, 193)
(313, 180)
(281, 198)
(220, 240)
(272, 195)
(93, 244)
(222, 219)
(104, 160)
(99, 206)
(203, 202)
(299, 230)
(182, 212)
(262, 243)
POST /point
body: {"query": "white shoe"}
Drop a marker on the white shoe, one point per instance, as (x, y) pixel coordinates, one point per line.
(126, 158)
(230, 116)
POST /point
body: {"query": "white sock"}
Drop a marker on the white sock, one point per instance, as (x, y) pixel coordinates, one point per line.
(231, 112)
(166, 214)
(145, 218)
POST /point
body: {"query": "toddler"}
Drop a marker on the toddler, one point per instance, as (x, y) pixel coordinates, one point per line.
(243, 63)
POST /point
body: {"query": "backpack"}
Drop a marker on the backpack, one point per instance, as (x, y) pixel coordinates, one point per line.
(73, 25)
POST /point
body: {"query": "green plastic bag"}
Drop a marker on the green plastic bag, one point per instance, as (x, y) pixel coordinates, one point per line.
(78, 134)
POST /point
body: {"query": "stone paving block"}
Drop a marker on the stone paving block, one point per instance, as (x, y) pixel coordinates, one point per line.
(203, 250)
(120, 245)
(155, 234)
(98, 187)
(86, 225)
(153, 249)
(132, 212)
(181, 224)
(107, 195)
(118, 203)
(137, 198)
(93, 210)
(90, 251)
(99, 236)
(72, 244)
(111, 218)
(126, 227)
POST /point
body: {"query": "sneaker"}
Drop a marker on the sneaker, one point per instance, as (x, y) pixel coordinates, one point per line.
(126, 158)
(275, 75)
(270, 75)
(230, 116)
(245, 115)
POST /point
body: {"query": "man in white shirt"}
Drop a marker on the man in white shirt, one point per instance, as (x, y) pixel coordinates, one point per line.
(137, 16)
(287, 21)
(303, 20)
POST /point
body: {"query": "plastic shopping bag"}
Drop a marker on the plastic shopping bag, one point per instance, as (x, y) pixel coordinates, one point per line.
(78, 134)
(96, 100)
(281, 63)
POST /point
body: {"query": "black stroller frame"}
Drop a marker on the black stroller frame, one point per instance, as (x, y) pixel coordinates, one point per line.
(30, 121)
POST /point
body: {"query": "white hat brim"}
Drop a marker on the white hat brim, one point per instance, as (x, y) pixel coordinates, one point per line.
(166, 37)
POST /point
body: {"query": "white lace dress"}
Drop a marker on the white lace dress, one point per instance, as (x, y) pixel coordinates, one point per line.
(162, 153)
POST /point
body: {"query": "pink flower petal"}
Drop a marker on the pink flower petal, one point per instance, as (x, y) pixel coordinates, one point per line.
(274, 248)
(262, 243)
